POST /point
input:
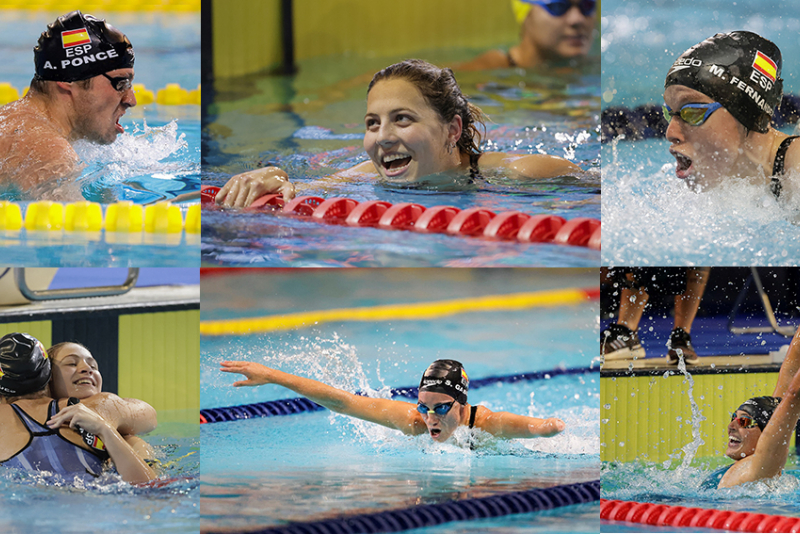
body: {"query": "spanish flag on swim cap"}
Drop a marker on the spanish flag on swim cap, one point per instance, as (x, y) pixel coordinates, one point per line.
(521, 10)
(78, 47)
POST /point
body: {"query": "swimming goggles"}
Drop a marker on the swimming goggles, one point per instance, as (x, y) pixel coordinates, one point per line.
(694, 114)
(439, 409)
(121, 84)
(558, 8)
(744, 421)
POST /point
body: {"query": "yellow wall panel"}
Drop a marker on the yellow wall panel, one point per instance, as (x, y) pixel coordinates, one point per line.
(159, 359)
(649, 418)
(246, 36)
(41, 330)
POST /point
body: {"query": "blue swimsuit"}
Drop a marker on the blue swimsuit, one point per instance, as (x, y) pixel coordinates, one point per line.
(47, 450)
(713, 480)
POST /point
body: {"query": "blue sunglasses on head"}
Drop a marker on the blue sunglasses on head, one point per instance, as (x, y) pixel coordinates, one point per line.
(439, 409)
(694, 114)
(558, 8)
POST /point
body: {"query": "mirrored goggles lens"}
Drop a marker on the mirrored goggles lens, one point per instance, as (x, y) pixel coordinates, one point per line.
(694, 114)
(744, 421)
(439, 409)
(558, 8)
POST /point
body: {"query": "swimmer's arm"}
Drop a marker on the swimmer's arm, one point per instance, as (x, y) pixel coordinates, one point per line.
(511, 426)
(129, 465)
(790, 366)
(533, 166)
(243, 189)
(129, 416)
(772, 448)
(142, 449)
(393, 414)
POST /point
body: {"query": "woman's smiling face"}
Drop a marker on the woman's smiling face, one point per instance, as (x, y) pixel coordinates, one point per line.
(75, 373)
(405, 137)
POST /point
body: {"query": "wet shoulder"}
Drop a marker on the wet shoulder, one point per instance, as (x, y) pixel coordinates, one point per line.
(531, 166)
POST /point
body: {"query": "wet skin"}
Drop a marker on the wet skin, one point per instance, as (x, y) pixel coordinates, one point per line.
(441, 427)
(564, 37)
(99, 108)
(741, 441)
(75, 373)
(405, 138)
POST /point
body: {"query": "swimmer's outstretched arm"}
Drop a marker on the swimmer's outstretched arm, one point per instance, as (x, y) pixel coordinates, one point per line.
(511, 426)
(243, 189)
(790, 366)
(533, 166)
(398, 415)
(772, 448)
(129, 465)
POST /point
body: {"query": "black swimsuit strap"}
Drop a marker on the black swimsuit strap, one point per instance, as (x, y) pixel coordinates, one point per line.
(511, 62)
(778, 167)
(473, 165)
(472, 411)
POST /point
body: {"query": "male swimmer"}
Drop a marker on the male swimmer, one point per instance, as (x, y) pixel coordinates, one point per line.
(760, 429)
(441, 405)
(82, 87)
(719, 97)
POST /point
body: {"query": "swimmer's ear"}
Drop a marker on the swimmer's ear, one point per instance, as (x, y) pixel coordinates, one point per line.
(64, 86)
(454, 129)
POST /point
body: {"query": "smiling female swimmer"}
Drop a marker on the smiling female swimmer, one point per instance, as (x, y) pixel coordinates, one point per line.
(418, 124)
(69, 438)
(719, 97)
(441, 406)
(760, 429)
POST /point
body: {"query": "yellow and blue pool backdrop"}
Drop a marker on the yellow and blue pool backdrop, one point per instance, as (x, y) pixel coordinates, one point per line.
(649, 418)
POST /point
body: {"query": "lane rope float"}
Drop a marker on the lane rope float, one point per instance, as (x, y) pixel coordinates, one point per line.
(399, 312)
(303, 405)
(472, 222)
(681, 516)
(427, 515)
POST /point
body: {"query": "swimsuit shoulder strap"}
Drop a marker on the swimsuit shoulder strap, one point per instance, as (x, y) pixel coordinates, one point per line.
(511, 62)
(33, 426)
(778, 166)
(473, 165)
(472, 411)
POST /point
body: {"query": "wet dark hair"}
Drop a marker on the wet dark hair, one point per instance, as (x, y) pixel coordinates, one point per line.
(441, 91)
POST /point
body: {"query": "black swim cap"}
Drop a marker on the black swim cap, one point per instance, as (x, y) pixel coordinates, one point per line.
(79, 47)
(760, 409)
(24, 365)
(740, 70)
(448, 377)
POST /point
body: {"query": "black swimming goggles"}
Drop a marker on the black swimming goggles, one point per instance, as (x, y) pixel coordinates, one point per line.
(439, 409)
(120, 84)
(694, 114)
(558, 8)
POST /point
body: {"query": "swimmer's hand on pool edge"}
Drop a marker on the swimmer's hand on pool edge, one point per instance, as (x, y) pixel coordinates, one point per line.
(243, 189)
(130, 466)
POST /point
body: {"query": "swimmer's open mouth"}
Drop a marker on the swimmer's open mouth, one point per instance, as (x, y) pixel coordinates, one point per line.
(684, 165)
(395, 164)
(732, 441)
(435, 432)
(118, 126)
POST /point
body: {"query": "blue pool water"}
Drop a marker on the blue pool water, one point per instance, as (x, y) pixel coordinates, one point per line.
(157, 158)
(312, 127)
(323, 465)
(649, 216)
(114, 507)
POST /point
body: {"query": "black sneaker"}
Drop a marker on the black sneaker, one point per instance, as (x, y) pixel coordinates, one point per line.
(619, 342)
(680, 342)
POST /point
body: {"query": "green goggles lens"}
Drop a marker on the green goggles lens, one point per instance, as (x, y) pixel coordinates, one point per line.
(694, 114)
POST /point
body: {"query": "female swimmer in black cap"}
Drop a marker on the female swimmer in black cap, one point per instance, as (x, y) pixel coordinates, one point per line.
(63, 437)
(760, 429)
(441, 406)
(719, 99)
(418, 124)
